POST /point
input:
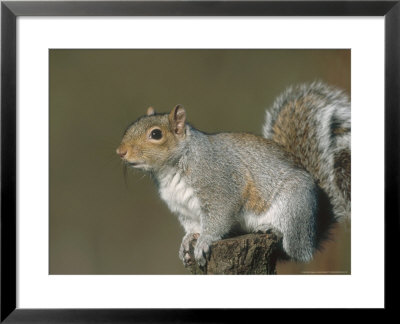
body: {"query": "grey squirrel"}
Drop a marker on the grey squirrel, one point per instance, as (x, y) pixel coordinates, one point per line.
(218, 183)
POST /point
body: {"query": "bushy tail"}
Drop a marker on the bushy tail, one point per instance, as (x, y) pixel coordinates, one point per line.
(313, 122)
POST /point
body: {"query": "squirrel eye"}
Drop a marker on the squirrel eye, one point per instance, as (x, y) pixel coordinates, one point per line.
(156, 134)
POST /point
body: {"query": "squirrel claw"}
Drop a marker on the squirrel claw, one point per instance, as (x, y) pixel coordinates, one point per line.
(202, 250)
(187, 261)
(184, 250)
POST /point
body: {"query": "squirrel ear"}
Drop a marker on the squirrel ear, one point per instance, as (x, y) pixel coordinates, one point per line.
(177, 118)
(150, 111)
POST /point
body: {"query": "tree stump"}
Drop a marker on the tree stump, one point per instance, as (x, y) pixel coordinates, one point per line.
(245, 254)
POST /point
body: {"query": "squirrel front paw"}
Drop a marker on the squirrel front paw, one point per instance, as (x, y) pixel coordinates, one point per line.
(184, 250)
(202, 249)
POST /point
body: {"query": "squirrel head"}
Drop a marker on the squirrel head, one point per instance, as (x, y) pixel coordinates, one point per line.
(153, 139)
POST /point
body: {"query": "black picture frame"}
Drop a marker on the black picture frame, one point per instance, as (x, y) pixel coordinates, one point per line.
(11, 10)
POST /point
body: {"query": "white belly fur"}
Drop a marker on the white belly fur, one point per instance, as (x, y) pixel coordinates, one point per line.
(181, 199)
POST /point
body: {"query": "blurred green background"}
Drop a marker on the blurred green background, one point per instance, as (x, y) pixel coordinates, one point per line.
(104, 223)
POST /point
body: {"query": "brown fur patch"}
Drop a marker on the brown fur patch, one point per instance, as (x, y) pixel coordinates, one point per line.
(295, 130)
(340, 131)
(252, 198)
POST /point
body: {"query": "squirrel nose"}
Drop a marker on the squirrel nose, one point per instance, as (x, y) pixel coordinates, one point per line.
(121, 152)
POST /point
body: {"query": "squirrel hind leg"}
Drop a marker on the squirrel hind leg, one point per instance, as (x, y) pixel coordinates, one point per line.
(296, 218)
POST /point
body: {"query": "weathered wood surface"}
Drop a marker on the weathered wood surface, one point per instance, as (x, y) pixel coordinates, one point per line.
(245, 254)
